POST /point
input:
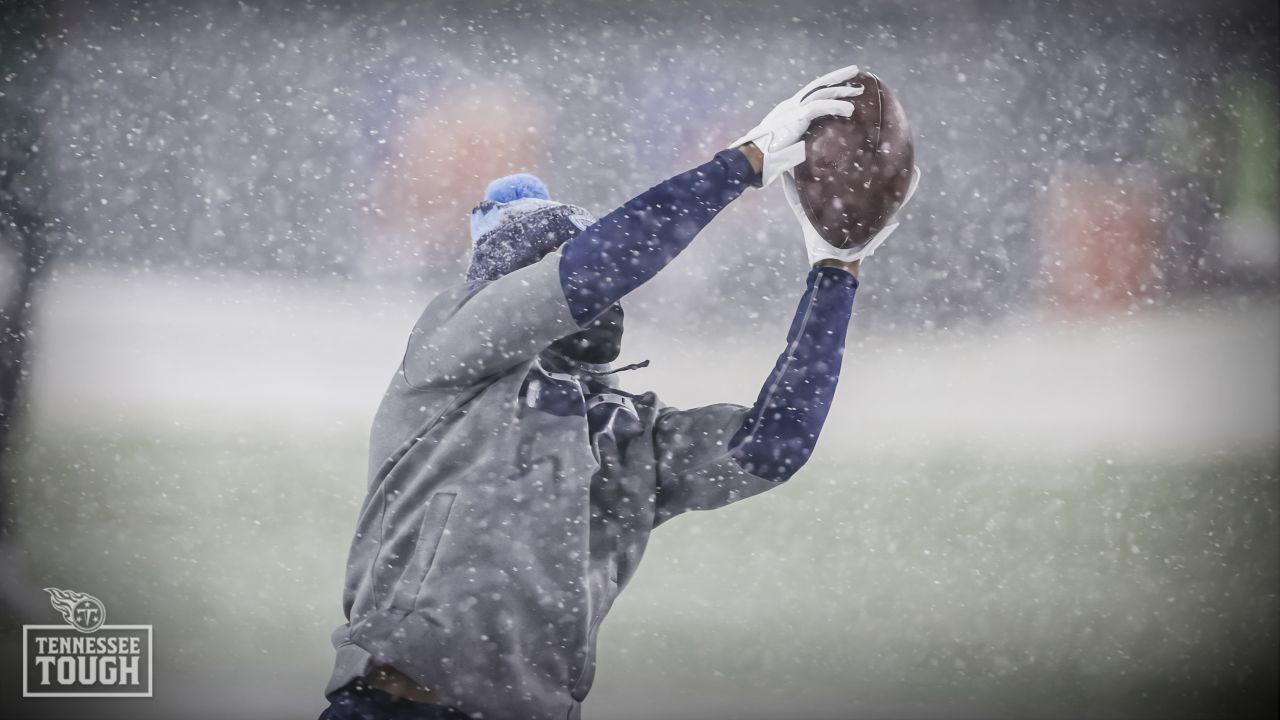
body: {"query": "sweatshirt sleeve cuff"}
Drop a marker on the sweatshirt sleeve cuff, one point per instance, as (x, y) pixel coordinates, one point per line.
(832, 277)
(739, 167)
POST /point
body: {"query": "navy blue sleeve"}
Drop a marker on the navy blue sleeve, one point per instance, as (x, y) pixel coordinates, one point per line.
(627, 247)
(781, 429)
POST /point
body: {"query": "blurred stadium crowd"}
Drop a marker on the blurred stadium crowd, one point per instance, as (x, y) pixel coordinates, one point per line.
(1088, 156)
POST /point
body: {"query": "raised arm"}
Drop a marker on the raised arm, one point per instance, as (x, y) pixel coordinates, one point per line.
(712, 456)
(515, 317)
(627, 247)
(779, 433)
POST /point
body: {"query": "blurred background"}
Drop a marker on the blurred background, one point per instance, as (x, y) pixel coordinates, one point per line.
(1049, 487)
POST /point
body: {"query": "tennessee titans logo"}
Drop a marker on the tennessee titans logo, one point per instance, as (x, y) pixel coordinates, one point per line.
(82, 611)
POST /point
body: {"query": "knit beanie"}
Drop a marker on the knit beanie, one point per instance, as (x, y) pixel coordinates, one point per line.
(518, 223)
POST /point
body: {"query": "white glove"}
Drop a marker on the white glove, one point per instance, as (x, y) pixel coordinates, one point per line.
(778, 135)
(819, 249)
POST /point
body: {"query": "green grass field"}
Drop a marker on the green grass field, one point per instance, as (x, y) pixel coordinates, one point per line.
(957, 583)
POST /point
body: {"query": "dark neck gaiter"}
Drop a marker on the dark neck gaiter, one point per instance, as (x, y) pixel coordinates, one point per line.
(598, 343)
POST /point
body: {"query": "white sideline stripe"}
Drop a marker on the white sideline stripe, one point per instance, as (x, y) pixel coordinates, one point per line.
(170, 352)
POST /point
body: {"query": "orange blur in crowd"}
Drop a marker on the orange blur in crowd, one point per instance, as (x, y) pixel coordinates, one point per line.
(1102, 228)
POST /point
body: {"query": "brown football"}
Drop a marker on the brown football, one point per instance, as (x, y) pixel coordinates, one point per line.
(857, 169)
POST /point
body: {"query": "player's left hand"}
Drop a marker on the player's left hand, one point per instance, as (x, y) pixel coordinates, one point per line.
(819, 249)
(779, 134)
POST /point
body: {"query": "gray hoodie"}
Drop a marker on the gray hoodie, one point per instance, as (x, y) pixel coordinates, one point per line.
(512, 491)
(509, 501)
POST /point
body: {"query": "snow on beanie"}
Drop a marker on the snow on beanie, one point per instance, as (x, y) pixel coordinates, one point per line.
(516, 224)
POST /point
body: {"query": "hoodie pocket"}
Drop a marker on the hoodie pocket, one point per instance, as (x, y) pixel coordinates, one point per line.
(587, 675)
(430, 531)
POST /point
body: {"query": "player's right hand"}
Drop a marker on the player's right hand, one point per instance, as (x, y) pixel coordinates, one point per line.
(780, 134)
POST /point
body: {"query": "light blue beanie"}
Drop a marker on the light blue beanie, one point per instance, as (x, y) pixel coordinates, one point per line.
(516, 224)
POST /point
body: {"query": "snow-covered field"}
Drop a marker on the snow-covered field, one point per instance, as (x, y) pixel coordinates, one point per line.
(306, 354)
(1041, 518)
